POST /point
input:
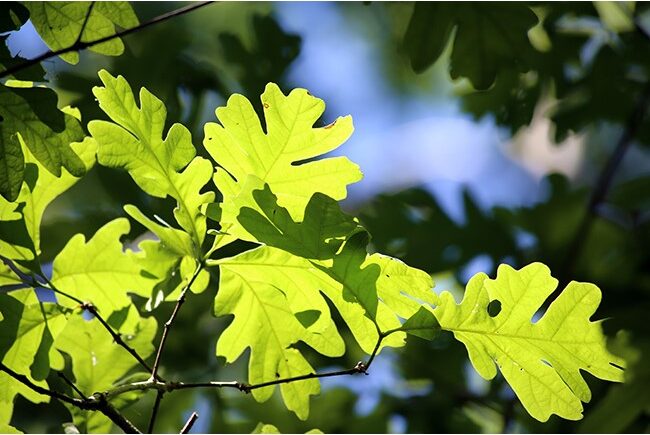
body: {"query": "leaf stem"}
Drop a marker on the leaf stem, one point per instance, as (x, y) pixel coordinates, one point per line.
(81, 45)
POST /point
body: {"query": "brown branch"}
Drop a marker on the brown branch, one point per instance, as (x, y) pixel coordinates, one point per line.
(98, 402)
(31, 282)
(604, 181)
(81, 45)
(190, 422)
(71, 384)
(360, 367)
(117, 337)
(154, 411)
(27, 382)
(170, 386)
(113, 414)
(163, 340)
(170, 322)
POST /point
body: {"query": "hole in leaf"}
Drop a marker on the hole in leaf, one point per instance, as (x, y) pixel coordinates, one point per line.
(494, 308)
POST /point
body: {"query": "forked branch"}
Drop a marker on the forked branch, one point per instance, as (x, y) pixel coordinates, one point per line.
(100, 401)
(97, 402)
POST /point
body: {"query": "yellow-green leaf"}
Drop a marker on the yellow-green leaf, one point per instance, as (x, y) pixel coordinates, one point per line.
(27, 331)
(134, 141)
(275, 154)
(99, 271)
(98, 363)
(60, 23)
(541, 361)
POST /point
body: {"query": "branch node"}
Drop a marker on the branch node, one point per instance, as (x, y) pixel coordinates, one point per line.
(361, 367)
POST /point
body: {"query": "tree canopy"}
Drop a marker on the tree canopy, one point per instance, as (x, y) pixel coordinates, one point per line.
(185, 244)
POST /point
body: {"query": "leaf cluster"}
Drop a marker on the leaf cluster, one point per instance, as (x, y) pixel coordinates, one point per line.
(252, 226)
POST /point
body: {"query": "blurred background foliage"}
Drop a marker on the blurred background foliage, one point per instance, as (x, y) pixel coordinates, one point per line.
(488, 133)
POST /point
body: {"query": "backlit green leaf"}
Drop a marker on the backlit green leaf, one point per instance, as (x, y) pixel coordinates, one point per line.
(99, 271)
(41, 188)
(134, 141)
(60, 23)
(97, 363)
(541, 361)
(241, 148)
(422, 324)
(318, 236)
(276, 297)
(27, 332)
(6, 409)
(170, 261)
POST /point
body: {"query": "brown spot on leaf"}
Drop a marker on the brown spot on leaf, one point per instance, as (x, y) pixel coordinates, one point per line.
(266, 105)
(329, 125)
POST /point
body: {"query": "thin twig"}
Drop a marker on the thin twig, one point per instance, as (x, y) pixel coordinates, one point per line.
(27, 382)
(634, 123)
(114, 415)
(62, 293)
(81, 45)
(71, 384)
(170, 386)
(83, 26)
(163, 340)
(98, 402)
(154, 411)
(28, 280)
(117, 337)
(604, 181)
(190, 422)
(85, 305)
(170, 322)
(361, 367)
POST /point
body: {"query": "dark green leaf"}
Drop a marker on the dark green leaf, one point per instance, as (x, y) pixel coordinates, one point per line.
(489, 38)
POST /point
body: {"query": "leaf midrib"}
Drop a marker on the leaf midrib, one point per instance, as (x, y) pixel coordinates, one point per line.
(513, 336)
(149, 148)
